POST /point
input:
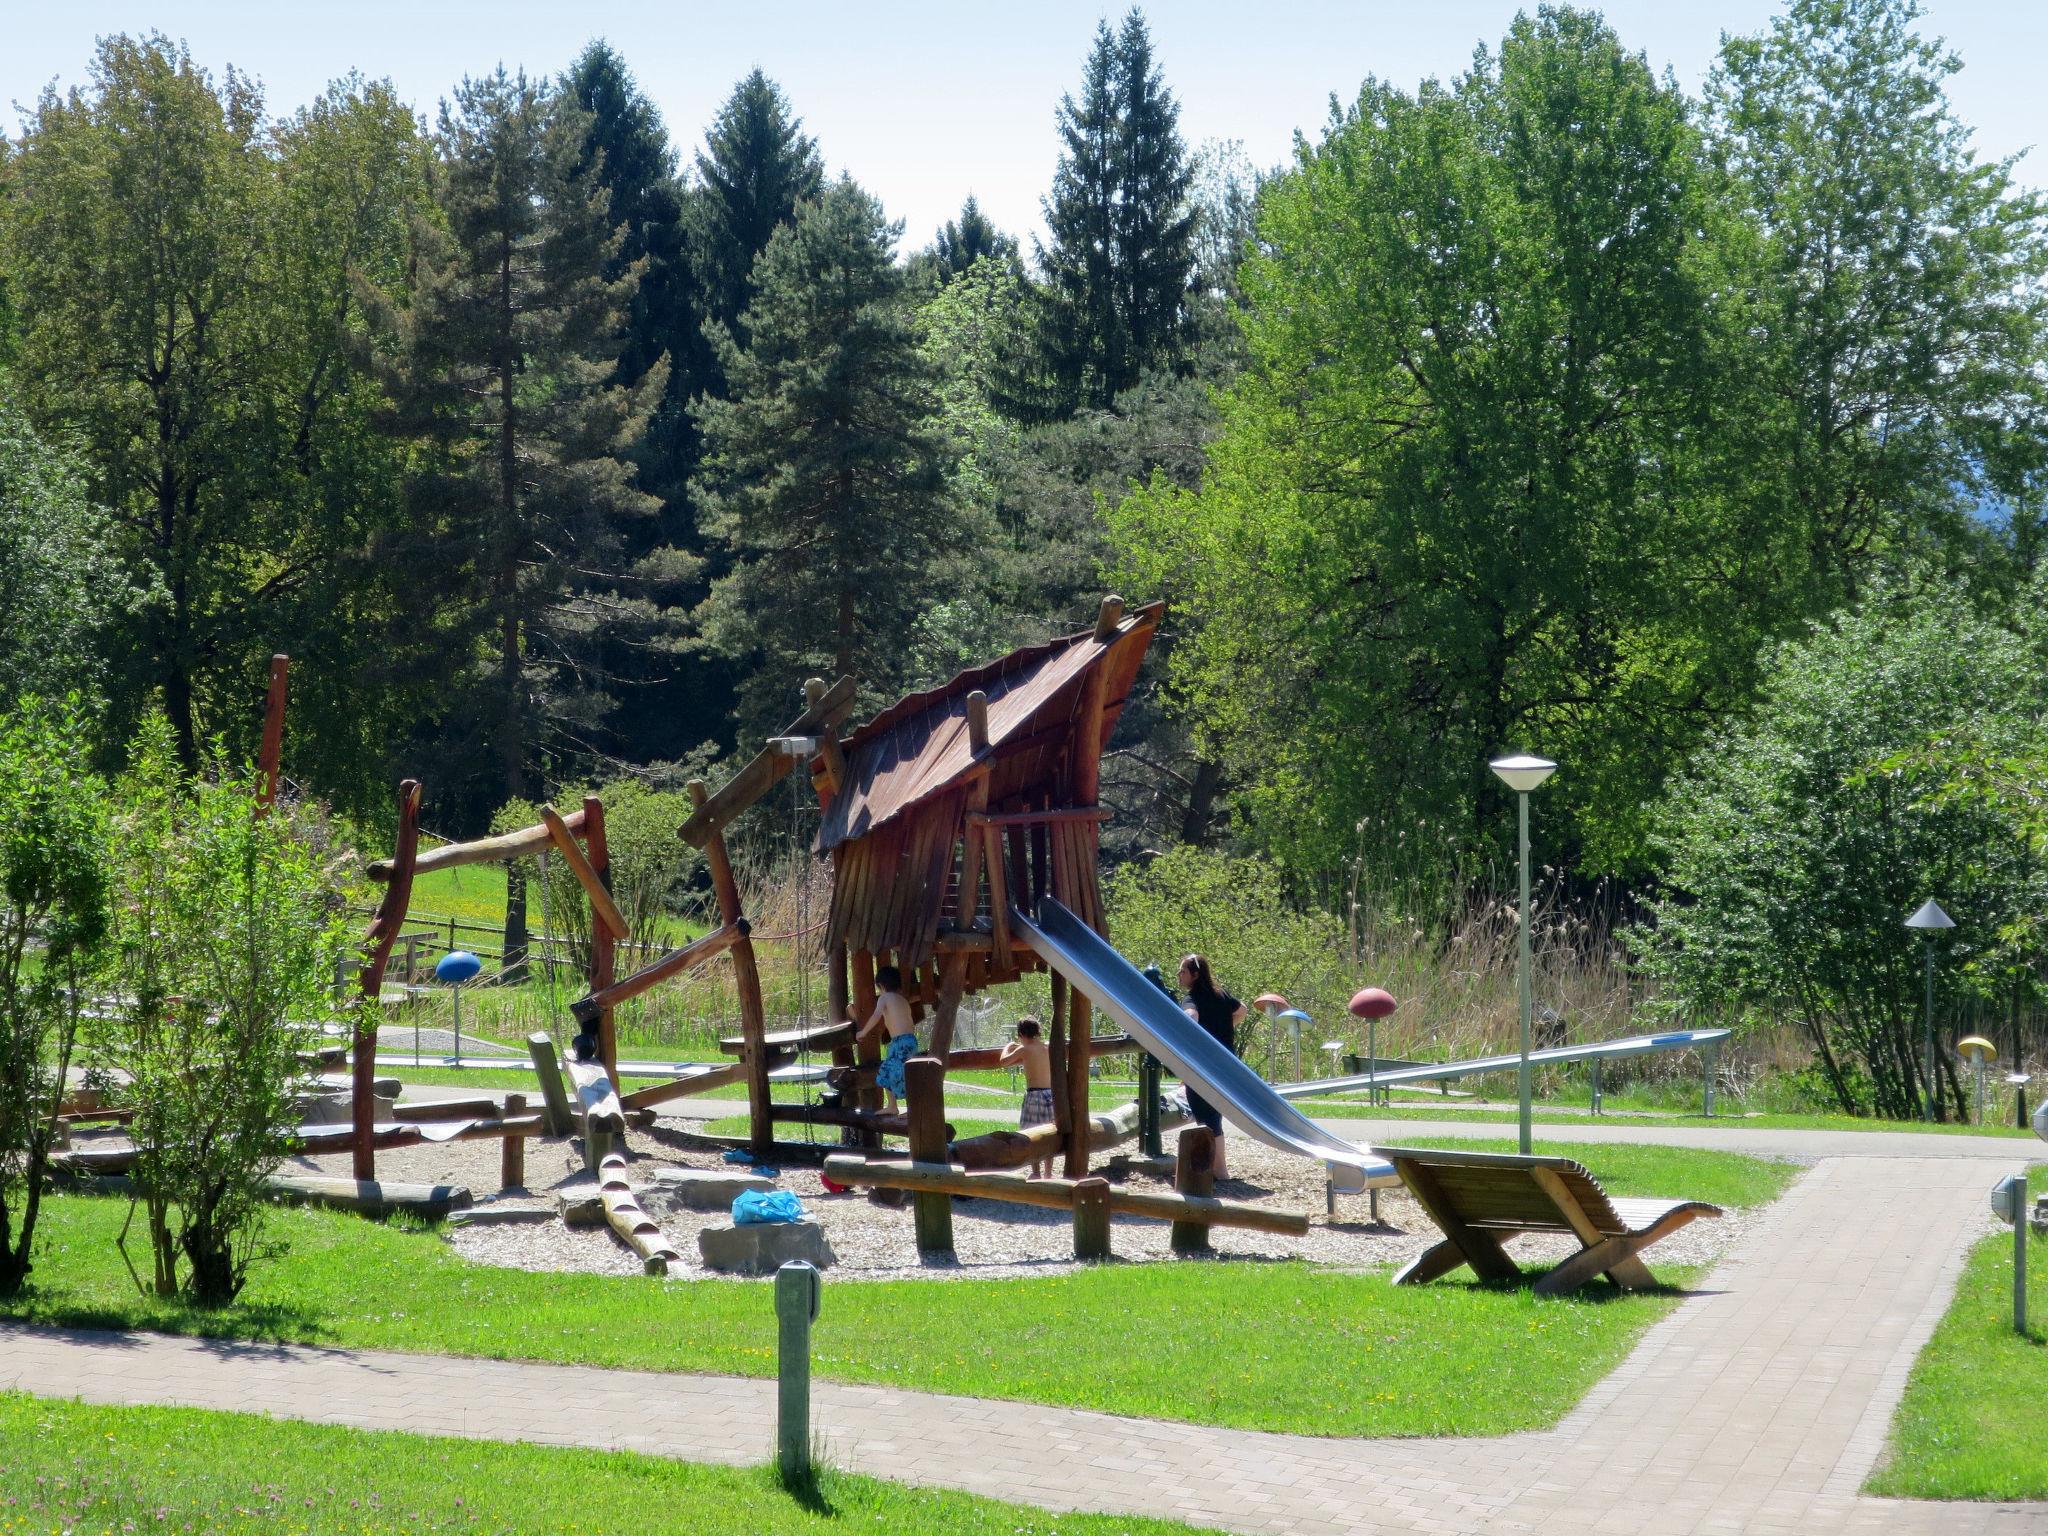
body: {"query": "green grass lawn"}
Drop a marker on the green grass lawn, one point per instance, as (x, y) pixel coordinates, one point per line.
(1970, 1424)
(474, 893)
(1275, 1346)
(71, 1467)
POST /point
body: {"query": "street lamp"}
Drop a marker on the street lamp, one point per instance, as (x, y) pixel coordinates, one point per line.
(1523, 773)
(1930, 920)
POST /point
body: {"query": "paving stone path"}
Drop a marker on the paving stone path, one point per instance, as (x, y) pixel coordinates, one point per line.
(1759, 1406)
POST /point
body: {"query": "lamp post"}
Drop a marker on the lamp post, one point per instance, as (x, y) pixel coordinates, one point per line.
(1928, 921)
(1523, 773)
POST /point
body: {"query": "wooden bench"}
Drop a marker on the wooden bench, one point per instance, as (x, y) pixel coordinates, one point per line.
(1478, 1198)
(822, 1037)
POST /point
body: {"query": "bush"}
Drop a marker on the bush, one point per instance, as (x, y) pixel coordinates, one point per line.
(224, 928)
(53, 917)
(1793, 859)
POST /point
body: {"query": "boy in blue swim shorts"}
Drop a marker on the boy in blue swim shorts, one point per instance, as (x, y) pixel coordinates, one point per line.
(892, 1013)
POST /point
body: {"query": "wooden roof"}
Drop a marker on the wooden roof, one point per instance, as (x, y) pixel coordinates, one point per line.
(917, 749)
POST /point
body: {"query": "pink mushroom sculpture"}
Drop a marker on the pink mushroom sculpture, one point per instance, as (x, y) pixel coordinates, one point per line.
(1372, 1004)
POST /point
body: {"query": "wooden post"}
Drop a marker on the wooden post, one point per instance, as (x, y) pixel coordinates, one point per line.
(376, 956)
(603, 943)
(837, 1001)
(1194, 1173)
(1056, 1057)
(977, 722)
(270, 759)
(1108, 617)
(554, 1098)
(925, 1091)
(1091, 1219)
(1080, 1025)
(746, 982)
(952, 984)
(512, 1167)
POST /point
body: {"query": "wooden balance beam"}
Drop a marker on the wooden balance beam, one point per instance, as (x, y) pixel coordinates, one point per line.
(1057, 1194)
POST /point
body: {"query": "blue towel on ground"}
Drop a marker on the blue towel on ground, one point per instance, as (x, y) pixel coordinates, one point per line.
(753, 1207)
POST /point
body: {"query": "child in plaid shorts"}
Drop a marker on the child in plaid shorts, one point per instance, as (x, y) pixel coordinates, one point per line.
(1028, 1051)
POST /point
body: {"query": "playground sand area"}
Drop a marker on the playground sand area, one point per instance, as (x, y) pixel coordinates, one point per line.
(992, 1239)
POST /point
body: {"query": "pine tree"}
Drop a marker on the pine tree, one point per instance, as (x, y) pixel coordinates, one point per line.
(820, 477)
(1121, 258)
(508, 352)
(964, 241)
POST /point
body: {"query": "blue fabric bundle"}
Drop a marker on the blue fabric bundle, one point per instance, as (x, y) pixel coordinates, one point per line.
(753, 1207)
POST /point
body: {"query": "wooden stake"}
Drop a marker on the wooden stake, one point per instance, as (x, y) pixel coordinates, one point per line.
(376, 956)
(512, 1167)
(1091, 1220)
(1194, 1175)
(925, 1089)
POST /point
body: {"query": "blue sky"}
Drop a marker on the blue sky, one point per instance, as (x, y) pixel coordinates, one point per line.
(925, 102)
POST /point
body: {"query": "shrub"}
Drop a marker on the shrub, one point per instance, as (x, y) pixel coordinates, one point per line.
(53, 917)
(224, 928)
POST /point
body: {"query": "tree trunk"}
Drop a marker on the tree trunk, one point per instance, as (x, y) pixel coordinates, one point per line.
(1201, 807)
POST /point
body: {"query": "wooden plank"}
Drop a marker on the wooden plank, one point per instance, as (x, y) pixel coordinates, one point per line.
(817, 1037)
(674, 963)
(485, 850)
(683, 1087)
(554, 1097)
(1482, 1250)
(603, 938)
(925, 1099)
(377, 955)
(767, 768)
(270, 756)
(1058, 1194)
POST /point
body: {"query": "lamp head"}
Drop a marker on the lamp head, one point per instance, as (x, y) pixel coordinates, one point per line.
(1930, 918)
(1522, 773)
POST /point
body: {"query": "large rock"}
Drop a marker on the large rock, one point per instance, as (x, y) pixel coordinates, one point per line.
(761, 1248)
(580, 1206)
(699, 1189)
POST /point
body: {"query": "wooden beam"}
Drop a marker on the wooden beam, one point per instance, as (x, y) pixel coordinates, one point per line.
(485, 850)
(603, 938)
(746, 974)
(1080, 1024)
(270, 756)
(1038, 818)
(683, 1087)
(1108, 617)
(376, 956)
(882, 1124)
(554, 1097)
(952, 986)
(674, 963)
(1058, 1194)
(1008, 1149)
(447, 1109)
(767, 769)
(602, 908)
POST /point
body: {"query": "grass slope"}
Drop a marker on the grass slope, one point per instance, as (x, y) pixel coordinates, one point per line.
(1268, 1346)
(1970, 1424)
(75, 1468)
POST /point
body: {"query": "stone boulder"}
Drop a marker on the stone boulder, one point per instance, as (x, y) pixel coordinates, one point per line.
(673, 1190)
(762, 1248)
(580, 1206)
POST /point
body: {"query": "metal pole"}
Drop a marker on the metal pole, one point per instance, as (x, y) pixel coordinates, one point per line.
(1372, 1061)
(2019, 1253)
(1523, 1079)
(1707, 1093)
(1929, 1098)
(1596, 1085)
(796, 1305)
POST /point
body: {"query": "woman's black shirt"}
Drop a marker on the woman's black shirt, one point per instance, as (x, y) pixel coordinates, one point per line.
(1217, 1013)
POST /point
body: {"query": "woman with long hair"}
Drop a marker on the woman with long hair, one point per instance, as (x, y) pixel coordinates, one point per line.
(1219, 1013)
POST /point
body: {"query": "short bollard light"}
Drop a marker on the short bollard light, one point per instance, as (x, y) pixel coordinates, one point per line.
(2009, 1203)
(797, 1294)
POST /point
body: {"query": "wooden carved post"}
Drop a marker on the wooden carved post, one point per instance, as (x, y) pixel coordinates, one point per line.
(747, 982)
(512, 1165)
(603, 943)
(1091, 1219)
(376, 956)
(1194, 1173)
(270, 759)
(924, 1082)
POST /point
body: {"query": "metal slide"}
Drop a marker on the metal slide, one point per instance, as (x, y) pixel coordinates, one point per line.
(1117, 987)
(1550, 1056)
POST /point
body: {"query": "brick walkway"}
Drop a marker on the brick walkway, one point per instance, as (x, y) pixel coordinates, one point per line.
(1758, 1406)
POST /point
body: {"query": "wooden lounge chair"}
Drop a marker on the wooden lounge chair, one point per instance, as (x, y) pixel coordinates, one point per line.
(1479, 1198)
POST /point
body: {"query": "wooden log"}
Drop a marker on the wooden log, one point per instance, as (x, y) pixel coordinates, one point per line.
(683, 1087)
(376, 956)
(1091, 1220)
(554, 1097)
(626, 1216)
(603, 940)
(714, 813)
(977, 722)
(484, 850)
(875, 1120)
(1194, 1178)
(370, 1197)
(1108, 617)
(594, 1007)
(924, 1083)
(602, 908)
(1008, 1149)
(270, 756)
(952, 987)
(1081, 1020)
(597, 1101)
(1058, 1194)
(447, 1109)
(745, 974)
